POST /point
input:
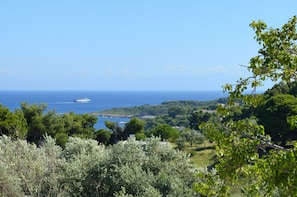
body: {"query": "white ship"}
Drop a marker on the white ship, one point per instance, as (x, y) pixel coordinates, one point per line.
(82, 100)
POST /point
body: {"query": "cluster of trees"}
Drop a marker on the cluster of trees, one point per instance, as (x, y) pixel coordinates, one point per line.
(31, 123)
(43, 153)
(171, 108)
(177, 116)
(173, 113)
(84, 168)
(136, 128)
(274, 110)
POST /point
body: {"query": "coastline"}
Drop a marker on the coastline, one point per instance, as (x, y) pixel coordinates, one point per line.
(111, 115)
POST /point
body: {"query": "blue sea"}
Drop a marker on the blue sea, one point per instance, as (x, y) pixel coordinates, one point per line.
(63, 101)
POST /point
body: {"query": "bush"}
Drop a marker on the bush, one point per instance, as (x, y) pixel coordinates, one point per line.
(141, 170)
(84, 168)
(29, 171)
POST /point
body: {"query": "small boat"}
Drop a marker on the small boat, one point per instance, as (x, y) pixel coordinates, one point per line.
(82, 100)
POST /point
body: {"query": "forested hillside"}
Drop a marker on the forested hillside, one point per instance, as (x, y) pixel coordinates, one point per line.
(168, 107)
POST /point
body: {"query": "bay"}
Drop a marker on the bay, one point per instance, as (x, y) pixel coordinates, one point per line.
(63, 101)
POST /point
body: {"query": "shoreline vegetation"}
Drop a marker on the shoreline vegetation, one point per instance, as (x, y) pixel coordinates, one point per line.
(107, 115)
(151, 111)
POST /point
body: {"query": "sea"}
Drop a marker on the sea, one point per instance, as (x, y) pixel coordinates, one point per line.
(64, 101)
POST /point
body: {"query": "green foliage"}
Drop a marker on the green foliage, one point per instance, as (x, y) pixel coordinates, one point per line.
(239, 142)
(110, 125)
(178, 110)
(173, 113)
(84, 168)
(61, 139)
(165, 132)
(81, 155)
(275, 174)
(134, 170)
(29, 171)
(79, 125)
(140, 136)
(181, 143)
(134, 126)
(210, 184)
(168, 107)
(103, 136)
(276, 59)
(33, 122)
(273, 113)
(198, 117)
(12, 124)
(33, 115)
(193, 136)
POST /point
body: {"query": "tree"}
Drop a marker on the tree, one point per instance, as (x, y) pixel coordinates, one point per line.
(131, 169)
(33, 115)
(193, 137)
(57, 126)
(177, 110)
(84, 168)
(197, 118)
(12, 124)
(165, 132)
(80, 156)
(276, 59)
(102, 136)
(79, 125)
(238, 142)
(28, 170)
(53, 123)
(273, 114)
(110, 125)
(134, 126)
(61, 139)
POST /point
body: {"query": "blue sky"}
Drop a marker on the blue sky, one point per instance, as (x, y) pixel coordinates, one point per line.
(130, 45)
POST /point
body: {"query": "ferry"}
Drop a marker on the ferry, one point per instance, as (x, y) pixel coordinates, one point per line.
(82, 100)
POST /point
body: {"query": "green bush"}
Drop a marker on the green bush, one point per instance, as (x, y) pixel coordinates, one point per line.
(84, 168)
(27, 170)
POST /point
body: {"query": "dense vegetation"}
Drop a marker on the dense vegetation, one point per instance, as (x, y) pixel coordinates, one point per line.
(171, 108)
(48, 154)
(173, 113)
(84, 168)
(32, 122)
(245, 148)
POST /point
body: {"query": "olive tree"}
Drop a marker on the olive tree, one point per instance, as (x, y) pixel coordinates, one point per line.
(136, 169)
(26, 170)
(193, 136)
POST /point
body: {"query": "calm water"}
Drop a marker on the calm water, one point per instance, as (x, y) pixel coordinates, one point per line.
(63, 101)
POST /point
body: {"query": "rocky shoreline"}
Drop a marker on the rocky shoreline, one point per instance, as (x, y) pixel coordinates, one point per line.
(110, 115)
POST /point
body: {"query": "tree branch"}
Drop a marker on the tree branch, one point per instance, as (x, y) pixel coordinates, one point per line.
(264, 142)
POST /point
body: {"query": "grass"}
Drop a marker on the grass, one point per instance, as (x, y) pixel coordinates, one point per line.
(202, 155)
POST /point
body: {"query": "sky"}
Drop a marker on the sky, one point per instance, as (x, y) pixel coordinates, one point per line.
(130, 44)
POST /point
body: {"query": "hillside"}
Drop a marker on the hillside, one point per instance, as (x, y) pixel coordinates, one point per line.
(161, 109)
